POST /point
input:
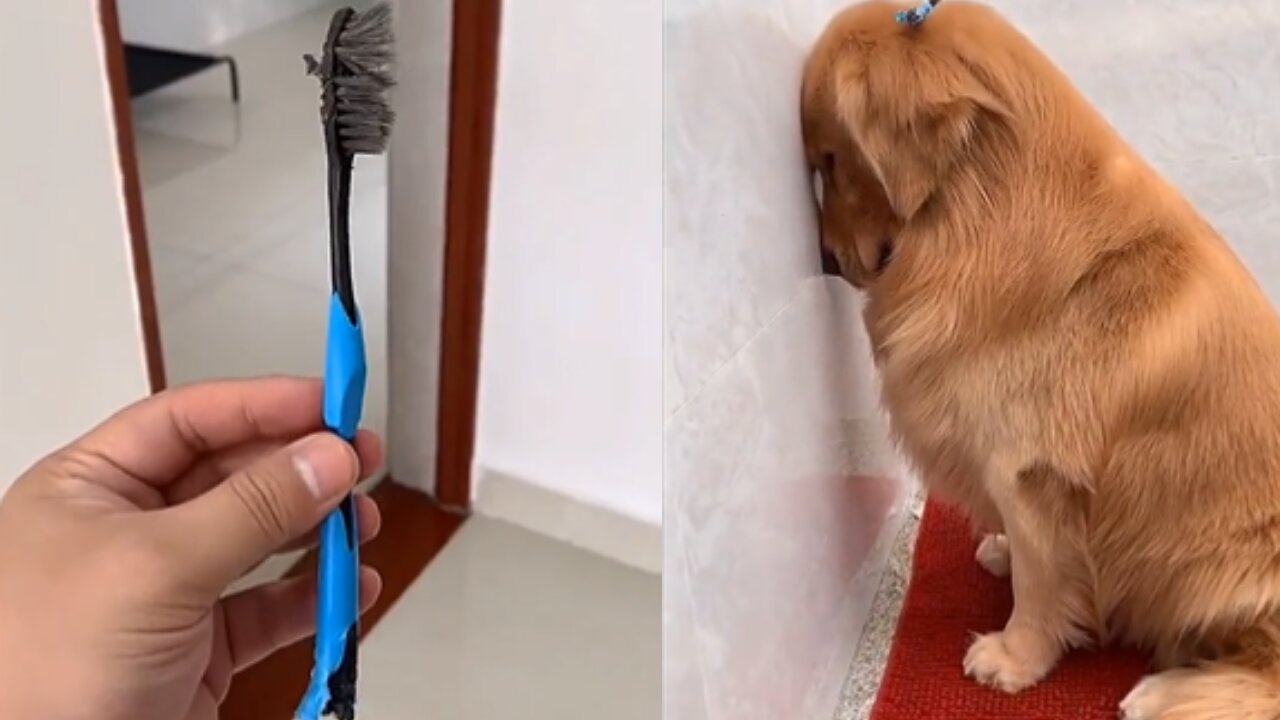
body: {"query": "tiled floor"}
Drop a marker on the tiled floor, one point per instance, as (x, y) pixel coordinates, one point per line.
(506, 624)
(236, 218)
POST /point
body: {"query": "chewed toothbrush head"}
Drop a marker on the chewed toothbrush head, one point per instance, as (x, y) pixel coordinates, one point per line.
(355, 72)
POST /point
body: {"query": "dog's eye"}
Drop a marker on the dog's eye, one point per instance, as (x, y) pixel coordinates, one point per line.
(886, 254)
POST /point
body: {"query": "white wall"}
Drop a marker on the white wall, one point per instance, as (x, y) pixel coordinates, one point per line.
(201, 24)
(72, 348)
(416, 187)
(571, 358)
(779, 476)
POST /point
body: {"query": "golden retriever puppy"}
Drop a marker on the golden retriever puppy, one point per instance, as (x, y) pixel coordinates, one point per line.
(1067, 351)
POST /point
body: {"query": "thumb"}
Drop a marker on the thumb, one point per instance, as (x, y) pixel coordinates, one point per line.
(250, 515)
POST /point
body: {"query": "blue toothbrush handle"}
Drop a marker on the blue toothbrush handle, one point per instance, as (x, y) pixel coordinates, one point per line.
(332, 688)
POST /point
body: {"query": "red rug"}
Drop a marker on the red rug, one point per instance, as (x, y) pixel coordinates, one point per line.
(949, 598)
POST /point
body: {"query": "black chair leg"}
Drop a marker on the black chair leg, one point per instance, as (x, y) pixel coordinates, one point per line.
(234, 72)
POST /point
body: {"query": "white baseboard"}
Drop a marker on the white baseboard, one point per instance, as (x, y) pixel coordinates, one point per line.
(595, 529)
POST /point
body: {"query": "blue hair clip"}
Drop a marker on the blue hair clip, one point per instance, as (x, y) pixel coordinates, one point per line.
(916, 16)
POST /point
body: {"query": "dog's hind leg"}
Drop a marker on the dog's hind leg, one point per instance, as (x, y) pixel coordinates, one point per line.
(1217, 691)
(1242, 685)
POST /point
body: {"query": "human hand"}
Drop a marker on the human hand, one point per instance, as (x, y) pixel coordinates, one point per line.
(116, 550)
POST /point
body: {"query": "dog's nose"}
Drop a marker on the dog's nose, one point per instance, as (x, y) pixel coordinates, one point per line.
(830, 266)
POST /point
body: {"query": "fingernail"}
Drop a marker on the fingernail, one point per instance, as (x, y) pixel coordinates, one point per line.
(326, 465)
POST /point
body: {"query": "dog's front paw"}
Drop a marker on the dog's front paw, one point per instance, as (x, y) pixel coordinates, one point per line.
(993, 661)
(993, 554)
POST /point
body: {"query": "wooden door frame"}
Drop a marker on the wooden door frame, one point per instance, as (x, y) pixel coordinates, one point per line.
(473, 89)
(126, 152)
(414, 528)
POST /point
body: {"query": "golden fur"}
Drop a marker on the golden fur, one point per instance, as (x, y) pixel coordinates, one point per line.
(1067, 351)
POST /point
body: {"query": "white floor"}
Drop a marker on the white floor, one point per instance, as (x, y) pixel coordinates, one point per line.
(236, 218)
(506, 624)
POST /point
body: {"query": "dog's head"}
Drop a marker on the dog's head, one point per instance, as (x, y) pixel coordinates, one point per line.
(888, 114)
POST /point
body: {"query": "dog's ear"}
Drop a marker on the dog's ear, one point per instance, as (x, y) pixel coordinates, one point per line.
(914, 115)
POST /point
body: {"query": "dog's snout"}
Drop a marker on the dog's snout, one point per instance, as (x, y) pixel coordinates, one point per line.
(830, 266)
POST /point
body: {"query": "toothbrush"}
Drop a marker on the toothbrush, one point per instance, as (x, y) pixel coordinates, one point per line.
(355, 76)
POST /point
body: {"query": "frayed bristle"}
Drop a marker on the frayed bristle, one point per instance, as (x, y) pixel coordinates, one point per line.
(361, 79)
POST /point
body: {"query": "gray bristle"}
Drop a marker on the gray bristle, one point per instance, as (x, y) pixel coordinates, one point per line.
(364, 54)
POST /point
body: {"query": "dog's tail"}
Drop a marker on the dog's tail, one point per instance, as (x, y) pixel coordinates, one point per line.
(1217, 691)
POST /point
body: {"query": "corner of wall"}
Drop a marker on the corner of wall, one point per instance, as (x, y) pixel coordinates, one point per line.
(596, 529)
